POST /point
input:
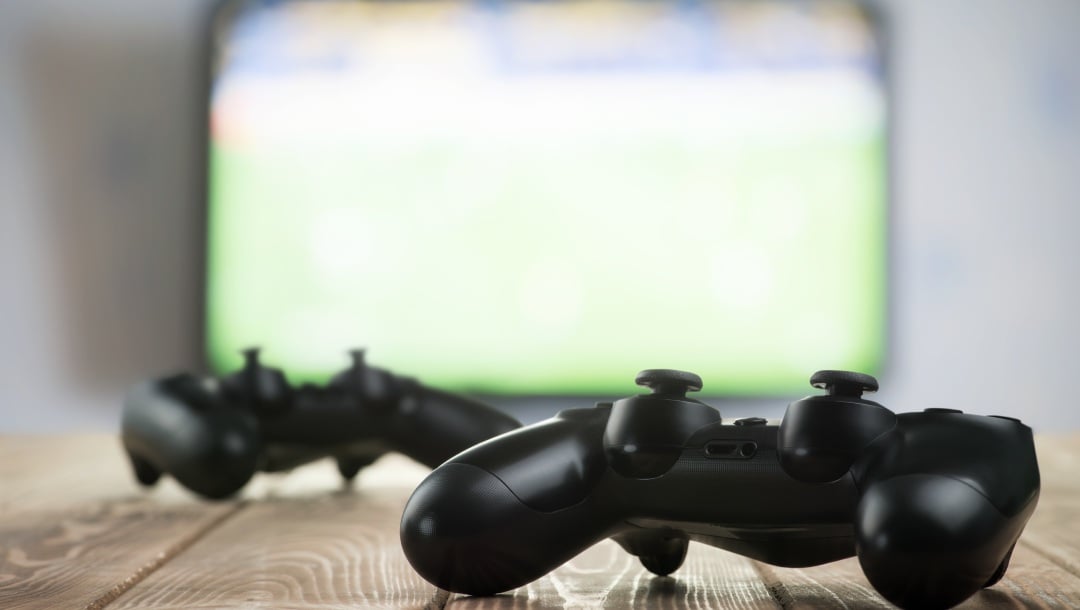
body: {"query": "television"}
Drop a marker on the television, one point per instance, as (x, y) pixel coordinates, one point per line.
(543, 197)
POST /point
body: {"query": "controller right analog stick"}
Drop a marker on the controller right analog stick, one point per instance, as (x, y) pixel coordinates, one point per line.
(844, 383)
(821, 436)
(669, 381)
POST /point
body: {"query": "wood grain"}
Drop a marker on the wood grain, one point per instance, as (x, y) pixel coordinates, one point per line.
(1042, 574)
(1054, 529)
(53, 473)
(1031, 582)
(75, 530)
(607, 577)
(307, 544)
(840, 584)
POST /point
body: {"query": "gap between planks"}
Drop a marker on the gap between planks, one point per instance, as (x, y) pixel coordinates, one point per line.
(162, 558)
(438, 600)
(774, 585)
(1053, 558)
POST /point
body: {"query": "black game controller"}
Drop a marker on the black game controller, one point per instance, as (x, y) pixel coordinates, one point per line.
(931, 502)
(213, 435)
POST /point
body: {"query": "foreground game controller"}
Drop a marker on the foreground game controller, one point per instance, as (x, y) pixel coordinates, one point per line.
(932, 502)
(213, 435)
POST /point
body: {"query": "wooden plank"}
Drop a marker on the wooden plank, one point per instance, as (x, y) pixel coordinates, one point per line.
(840, 584)
(605, 576)
(1054, 529)
(307, 544)
(1031, 582)
(83, 558)
(1059, 464)
(306, 548)
(53, 473)
(75, 530)
(1042, 574)
(326, 532)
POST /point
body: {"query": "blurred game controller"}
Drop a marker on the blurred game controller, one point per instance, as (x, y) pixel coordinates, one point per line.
(212, 435)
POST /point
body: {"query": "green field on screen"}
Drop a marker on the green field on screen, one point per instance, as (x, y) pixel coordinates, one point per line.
(555, 265)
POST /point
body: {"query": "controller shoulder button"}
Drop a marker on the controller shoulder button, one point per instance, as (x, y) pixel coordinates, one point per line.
(1008, 418)
(941, 410)
(751, 421)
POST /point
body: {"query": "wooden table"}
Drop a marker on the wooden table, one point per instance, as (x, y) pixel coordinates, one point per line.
(76, 532)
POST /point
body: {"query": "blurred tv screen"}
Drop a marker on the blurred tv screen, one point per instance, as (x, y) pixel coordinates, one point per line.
(546, 197)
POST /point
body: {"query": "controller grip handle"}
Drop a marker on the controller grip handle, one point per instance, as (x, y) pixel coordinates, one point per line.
(437, 425)
(464, 530)
(176, 425)
(932, 541)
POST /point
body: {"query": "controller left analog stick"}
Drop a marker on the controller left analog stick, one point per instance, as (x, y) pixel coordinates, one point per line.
(645, 434)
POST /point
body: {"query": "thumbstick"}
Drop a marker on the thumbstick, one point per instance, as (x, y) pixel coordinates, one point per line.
(645, 435)
(822, 437)
(367, 384)
(669, 381)
(843, 383)
(258, 385)
(353, 378)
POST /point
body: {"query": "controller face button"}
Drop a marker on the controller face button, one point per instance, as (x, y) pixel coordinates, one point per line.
(751, 421)
(941, 410)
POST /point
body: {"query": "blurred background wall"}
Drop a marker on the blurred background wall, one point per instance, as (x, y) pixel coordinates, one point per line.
(99, 207)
